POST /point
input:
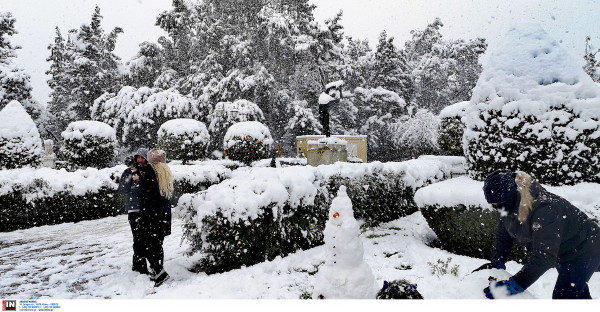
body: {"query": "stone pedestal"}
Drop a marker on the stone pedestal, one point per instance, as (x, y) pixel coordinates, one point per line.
(356, 146)
(49, 161)
(326, 151)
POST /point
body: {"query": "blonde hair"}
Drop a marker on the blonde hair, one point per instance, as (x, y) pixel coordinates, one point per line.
(165, 179)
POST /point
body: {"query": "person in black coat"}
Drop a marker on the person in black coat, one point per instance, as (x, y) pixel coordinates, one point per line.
(556, 234)
(129, 185)
(156, 190)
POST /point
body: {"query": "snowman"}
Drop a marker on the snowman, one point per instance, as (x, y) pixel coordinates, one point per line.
(345, 274)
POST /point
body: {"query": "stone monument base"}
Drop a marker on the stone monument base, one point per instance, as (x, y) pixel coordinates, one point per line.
(326, 151)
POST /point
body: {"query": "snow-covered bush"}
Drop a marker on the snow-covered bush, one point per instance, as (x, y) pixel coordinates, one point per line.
(89, 143)
(262, 213)
(534, 109)
(20, 143)
(34, 197)
(451, 129)
(226, 114)
(184, 139)
(247, 141)
(462, 220)
(418, 134)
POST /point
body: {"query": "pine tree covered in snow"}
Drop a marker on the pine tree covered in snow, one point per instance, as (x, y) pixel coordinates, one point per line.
(592, 66)
(82, 68)
(15, 84)
(145, 68)
(345, 274)
(534, 109)
(391, 70)
(20, 143)
(444, 72)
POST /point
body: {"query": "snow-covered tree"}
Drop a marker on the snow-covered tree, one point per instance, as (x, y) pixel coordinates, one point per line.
(144, 69)
(82, 68)
(418, 134)
(534, 109)
(378, 112)
(20, 143)
(391, 70)
(15, 83)
(592, 66)
(444, 72)
(184, 139)
(223, 51)
(345, 274)
(422, 42)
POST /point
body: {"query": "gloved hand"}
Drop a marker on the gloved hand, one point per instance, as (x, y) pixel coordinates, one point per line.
(495, 264)
(510, 284)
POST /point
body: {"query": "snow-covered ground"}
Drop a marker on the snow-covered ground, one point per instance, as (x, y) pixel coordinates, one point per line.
(92, 259)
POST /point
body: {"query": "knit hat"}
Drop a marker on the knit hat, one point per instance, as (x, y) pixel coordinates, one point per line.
(499, 187)
(157, 156)
(142, 152)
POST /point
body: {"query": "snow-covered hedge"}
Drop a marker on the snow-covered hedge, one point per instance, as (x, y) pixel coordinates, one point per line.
(20, 143)
(184, 139)
(465, 224)
(451, 129)
(534, 109)
(33, 197)
(261, 213)
(247, 141)
(89, 143)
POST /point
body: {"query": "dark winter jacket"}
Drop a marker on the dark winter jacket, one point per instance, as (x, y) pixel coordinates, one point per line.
(131, 189)
(550, 227)
(155, 209)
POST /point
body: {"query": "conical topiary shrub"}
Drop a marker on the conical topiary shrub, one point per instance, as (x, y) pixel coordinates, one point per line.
(534, 109)
(20, 143)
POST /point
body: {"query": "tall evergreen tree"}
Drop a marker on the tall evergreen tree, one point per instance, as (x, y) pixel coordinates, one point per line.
(82, 68)
(391, 69)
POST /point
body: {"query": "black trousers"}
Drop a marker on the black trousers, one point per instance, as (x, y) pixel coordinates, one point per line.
(139, 260)
(154, 251)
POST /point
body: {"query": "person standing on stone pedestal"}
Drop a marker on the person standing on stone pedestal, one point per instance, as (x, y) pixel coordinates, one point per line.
(332, 95)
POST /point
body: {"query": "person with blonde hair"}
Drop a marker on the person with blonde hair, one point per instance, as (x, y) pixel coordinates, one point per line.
(155, 211)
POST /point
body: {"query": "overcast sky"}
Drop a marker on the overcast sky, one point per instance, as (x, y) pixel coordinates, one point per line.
(568, 21)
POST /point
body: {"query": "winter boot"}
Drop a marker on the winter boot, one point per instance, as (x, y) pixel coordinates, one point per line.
(161, 278)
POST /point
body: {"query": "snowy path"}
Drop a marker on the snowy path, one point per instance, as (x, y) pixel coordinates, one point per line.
(92, 259)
